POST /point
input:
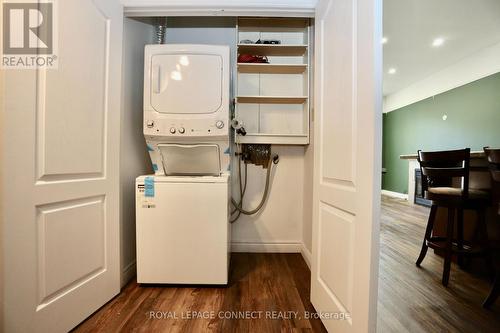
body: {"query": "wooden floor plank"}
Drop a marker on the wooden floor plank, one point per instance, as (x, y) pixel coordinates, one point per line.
(258, 282)
(412, 299)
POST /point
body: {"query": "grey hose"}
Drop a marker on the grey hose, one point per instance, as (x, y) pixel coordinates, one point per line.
(243, 188)
(239, 207)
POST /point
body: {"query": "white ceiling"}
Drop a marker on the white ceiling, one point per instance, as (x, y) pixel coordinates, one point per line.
(467, 26)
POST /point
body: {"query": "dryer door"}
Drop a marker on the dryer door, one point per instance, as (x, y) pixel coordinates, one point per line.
(202, 159)
(186, 83)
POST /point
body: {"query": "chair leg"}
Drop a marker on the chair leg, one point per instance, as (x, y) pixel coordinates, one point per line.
(483, 232)
(494, 293)
(475, 239)
(428, 232)
(460, 236)
(448, 248)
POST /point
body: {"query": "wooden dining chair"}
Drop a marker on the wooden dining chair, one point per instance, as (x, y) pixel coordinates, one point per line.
(439, 170)
(493, 156)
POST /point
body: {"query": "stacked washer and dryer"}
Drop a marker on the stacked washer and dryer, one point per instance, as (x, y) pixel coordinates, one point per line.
(183, 210)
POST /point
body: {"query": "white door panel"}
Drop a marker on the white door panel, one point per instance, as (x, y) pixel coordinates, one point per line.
(347, 162)
(60, 169)
(74, 120)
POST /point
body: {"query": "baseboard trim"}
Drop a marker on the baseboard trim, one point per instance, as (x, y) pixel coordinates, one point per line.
(266, 247)
(395, 194)
(306, 254)
(128, 273)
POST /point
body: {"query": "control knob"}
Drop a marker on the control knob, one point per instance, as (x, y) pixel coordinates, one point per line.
(219, 124)
(182, 130)
(172, 130)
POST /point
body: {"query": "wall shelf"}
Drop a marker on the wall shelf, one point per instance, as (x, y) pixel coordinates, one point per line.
(263, 23)
(273, 49)
(272, 99)
(272, 68)
(283, 139)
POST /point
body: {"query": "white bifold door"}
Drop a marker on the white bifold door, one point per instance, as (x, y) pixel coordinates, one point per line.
(347, 163)
(60, 172)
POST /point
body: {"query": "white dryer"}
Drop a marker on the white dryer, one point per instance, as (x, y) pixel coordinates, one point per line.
(186, 101)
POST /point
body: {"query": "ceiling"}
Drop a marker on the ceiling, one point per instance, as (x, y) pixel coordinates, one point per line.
(410, 26)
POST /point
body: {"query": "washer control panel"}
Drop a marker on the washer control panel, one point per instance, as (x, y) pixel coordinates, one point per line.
(184, 128)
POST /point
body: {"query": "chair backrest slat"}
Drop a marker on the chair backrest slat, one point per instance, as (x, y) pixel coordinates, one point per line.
(440, 167)
(433, 172)
(444, 158)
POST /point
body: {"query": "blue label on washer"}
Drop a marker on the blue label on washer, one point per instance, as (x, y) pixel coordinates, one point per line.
(155, 167)
(149, 186)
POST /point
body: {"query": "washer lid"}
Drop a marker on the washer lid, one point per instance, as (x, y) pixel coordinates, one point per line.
(200, 159)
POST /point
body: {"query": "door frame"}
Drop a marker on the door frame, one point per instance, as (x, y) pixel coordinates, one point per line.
(37, 295)
(362, 205)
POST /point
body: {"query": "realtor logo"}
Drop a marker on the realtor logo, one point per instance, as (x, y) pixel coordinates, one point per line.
(28, 34)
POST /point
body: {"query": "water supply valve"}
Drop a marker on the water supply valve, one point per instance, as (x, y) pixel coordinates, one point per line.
(238, 126)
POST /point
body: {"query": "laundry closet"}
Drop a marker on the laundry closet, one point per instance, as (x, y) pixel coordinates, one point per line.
(270, 101)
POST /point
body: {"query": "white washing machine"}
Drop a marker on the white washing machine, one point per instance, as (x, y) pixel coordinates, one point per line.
(182, 228)
(182, 211)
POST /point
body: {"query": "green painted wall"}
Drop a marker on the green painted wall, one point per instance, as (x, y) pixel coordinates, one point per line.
(473, 120)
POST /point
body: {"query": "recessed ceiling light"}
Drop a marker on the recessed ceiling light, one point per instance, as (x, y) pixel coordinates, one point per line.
(385, 40)
(438, 42)
(392, 70)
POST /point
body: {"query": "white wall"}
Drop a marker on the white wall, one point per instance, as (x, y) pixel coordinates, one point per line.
(134, 160)
(483, 63)
(279, 226)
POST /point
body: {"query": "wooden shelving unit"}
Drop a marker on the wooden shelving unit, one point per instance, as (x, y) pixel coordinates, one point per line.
(273, 98)
(273, 49)
(272, 68)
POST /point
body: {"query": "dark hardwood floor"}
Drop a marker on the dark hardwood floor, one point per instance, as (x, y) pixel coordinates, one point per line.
(270, 285)
(411, 299)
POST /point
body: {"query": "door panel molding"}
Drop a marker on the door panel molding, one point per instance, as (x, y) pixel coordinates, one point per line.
(331, 271)
(74, 112)
(47, 215)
